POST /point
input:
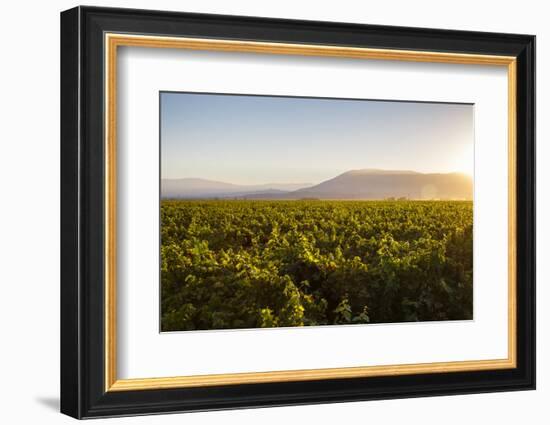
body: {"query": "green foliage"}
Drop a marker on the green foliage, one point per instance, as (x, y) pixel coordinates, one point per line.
(247, 264)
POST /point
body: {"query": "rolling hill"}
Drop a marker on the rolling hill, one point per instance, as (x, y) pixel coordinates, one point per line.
(383, 184)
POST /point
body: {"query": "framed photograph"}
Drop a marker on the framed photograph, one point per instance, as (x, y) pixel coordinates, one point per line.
(261, 212)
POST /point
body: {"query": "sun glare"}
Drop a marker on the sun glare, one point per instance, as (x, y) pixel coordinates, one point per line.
(464, 162)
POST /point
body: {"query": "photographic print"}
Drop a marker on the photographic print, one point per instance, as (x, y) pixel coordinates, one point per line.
(281, 211)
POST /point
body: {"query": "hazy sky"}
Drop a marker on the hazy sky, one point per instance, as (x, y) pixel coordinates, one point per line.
(263, 139)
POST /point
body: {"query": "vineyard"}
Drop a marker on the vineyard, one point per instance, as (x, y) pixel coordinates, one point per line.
(248, 264)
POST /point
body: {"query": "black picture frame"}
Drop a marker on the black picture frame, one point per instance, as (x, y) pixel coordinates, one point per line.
(83, 392)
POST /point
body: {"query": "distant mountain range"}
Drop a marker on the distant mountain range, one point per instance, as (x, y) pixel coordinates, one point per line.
(202, 188)
(355, 184)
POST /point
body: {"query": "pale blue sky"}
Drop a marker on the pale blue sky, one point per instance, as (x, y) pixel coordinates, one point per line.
(264, 139)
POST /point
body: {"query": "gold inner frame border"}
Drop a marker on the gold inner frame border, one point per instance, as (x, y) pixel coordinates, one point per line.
(112, 41)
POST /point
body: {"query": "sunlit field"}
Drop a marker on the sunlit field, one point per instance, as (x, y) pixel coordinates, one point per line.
(248, 264)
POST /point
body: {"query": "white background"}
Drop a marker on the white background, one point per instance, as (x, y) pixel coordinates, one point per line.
(143, 72)
(29, 225)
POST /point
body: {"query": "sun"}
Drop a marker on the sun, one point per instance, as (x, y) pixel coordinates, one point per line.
(464, 161)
